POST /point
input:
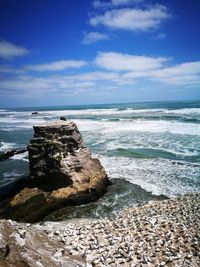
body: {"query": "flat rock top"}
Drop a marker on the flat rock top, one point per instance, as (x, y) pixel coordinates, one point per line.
(55, 123)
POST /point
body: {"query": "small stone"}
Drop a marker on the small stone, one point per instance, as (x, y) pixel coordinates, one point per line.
(188, 256)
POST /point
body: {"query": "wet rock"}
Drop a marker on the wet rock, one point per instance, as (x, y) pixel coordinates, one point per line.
(8, 154)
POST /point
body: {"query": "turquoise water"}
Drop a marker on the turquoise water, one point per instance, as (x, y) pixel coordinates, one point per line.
(152, 146)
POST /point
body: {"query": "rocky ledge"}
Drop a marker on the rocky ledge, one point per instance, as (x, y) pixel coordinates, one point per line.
(62, 172)
(164, 233)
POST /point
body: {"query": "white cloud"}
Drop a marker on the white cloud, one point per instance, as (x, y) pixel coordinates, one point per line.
(121, 71)
(132, 19)
(125, 62)
(10, 70)
(57, 65)
(185, 74)
(94, 37)
(95, 76)
(87, 80)
(150, 68)
(9, 50)
(114, 3)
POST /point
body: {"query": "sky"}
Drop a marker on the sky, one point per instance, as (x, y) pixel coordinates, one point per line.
(69, 52)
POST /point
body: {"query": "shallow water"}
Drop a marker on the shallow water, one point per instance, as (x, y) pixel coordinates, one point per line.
(121, 194)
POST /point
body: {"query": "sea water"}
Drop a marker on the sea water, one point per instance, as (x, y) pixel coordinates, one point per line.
(147, 149)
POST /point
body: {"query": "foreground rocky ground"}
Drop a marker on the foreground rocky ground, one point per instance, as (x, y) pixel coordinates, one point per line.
(165, 233)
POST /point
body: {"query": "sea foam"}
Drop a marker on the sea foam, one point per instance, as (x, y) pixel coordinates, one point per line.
(158, 126)
(4, 146)
(160, 176)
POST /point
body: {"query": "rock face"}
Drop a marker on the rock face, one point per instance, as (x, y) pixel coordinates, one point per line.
(62, 172)
(55, 153)
(24, 246)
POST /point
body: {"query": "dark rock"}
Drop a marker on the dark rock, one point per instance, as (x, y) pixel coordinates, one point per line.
(62, 118)
(62, 172)
(11, 189)
(35, 113)
(8, 154)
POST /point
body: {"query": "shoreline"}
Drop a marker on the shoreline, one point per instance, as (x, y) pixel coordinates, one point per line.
(159, 233)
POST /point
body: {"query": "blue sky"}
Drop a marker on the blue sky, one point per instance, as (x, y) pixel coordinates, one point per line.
(69, 52)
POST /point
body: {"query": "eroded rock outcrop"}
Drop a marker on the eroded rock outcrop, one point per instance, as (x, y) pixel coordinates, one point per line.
(62, 172)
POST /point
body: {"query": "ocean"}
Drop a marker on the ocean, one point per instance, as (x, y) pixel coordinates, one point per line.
(149, 150)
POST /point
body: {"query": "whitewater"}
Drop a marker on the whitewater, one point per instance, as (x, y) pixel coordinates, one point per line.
(153, 146)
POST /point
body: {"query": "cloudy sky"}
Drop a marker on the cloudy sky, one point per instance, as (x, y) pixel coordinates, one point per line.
(68, 52)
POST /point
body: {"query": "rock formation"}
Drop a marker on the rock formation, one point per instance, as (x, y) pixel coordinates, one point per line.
(62, 172)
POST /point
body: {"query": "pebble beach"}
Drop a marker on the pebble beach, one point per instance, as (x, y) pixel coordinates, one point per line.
(160, 233)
